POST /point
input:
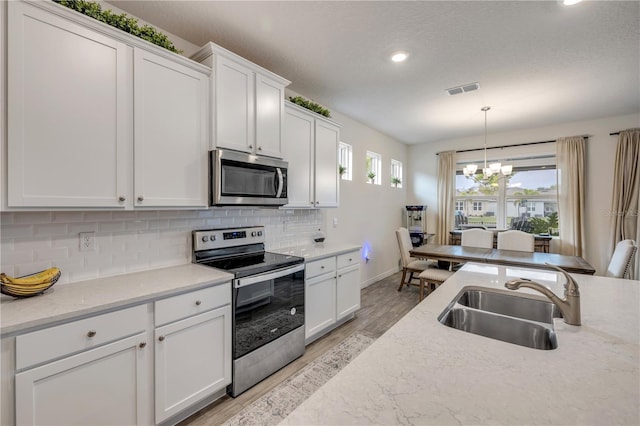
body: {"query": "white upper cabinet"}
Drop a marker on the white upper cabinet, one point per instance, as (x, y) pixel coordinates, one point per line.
(69, 113)
(247, 101)
(310, 145)
(98, 118)
(171, 133)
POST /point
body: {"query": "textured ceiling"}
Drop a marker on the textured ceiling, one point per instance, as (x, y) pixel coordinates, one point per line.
(538, 63)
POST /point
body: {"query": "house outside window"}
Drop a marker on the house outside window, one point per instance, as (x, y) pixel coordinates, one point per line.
(396, 174)
(345, 161)
(374, 168)
(525, 200)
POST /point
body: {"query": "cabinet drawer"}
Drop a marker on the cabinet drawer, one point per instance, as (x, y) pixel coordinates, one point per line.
(192, 303)
(348, 259)
(55, 342)
(320, 267)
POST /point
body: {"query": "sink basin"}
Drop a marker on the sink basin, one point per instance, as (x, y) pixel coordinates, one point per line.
(518, 320)
(510, 305)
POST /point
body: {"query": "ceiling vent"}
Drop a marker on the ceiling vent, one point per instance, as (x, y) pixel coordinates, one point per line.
(463, 89)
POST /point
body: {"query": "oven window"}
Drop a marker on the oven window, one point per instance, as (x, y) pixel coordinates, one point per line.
(267, 310)
(241, 179)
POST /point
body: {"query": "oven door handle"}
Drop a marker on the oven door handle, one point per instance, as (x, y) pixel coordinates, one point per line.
(243, 282)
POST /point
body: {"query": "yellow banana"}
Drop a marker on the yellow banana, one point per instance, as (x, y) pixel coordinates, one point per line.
(42, 277)
(27, 288)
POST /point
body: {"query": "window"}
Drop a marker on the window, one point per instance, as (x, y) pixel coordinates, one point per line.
(525, 200)
(345, 161)
(374, 168)
(396, 173)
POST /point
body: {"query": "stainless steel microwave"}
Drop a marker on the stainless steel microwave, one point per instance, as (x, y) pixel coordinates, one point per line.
(237, 178)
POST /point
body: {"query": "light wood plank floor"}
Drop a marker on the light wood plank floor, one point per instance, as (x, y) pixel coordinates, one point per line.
(381, 307)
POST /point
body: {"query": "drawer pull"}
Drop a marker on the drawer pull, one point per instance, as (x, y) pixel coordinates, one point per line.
(350, 260)
(142, 345)
(140, 199)
(121, 199)
(322, 267)
(198, 303)
(161, 338)
(91, 333)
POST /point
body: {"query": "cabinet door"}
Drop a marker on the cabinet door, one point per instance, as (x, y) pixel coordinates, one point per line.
(319, 303)
(348, 291)
(193, 360)
(69, 113)
(298, 151)
(102, 386)
(171, 139)
(234, 105)
(269, 116)
(326, 153)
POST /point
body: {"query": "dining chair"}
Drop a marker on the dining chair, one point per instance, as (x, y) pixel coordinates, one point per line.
(432, 276)
(516, 240)
(477, 238)
(410, 265)
(621, 259)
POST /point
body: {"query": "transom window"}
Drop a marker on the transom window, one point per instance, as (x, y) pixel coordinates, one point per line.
(396, 173)
(374, 168)
(345, 163)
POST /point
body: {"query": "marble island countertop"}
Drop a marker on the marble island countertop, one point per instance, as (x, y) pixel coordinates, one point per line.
(65, 301)
(317, 251)
(422, 372)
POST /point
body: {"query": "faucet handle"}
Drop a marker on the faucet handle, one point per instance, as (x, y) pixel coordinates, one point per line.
(571, 286)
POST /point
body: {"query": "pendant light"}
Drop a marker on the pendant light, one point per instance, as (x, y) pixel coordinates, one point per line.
(493, 168)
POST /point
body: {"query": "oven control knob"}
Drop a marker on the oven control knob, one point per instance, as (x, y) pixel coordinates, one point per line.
(259, 233)
(212, 237)
(253, 234)
(205, 239)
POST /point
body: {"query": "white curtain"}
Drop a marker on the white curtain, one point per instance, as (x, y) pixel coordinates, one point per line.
(625, 223)
(570, 156)
(446, 195)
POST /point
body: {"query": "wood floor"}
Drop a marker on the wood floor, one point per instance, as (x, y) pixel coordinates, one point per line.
(381, 307)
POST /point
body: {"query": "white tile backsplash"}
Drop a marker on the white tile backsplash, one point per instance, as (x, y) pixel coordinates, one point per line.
(132, 240)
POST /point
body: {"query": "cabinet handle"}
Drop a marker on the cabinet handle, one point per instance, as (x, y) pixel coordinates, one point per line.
(350, 260)
(198, 303)
(317, 202)
(259, 148)
(161, 338)
(142, 345)
(140, 199)
(91, 333)
(250, 146)
(121, 199)
(322, 267)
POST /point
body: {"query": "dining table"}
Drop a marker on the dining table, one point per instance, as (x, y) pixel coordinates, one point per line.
(460, 254)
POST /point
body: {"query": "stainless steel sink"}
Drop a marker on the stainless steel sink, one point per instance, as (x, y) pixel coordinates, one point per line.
(513, 319)
(510, 305)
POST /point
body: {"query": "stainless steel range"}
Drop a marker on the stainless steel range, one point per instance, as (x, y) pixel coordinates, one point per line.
(268, 301)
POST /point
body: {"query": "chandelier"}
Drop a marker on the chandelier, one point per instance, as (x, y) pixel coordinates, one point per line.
(493, 168)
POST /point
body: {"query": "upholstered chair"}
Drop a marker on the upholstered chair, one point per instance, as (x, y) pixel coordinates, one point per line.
(621, 259)
(516, 240)
(477, 238)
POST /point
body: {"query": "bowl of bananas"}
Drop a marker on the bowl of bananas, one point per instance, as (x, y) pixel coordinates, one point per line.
(29, 285)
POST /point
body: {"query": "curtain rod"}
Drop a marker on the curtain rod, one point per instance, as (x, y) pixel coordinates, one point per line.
(507, 146)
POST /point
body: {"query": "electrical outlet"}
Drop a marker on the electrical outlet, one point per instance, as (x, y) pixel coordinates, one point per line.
(87, 241)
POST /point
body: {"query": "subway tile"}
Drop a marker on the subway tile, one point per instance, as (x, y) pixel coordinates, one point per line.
(51, 229)
(136, 225)
(101, 216)
(67, 217)
(110, 226)
(76, 228)
(33, 217)
(13, 257)
(52, 254)
(7, 218)
(16, 231)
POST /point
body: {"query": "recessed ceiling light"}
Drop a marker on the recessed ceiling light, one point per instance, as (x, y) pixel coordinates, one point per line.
(571, 2)
(399, 56)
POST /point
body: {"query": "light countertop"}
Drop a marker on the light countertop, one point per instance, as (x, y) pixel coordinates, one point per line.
(422, 372)
(65, 301)
(317, 251)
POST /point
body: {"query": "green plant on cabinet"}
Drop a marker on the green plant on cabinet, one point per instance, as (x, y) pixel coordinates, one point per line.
(312, 106)
(122, 22)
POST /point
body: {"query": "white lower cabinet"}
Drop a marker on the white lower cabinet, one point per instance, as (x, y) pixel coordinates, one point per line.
(86, 372)
(103, 386)
(332, 293)
(193, 360)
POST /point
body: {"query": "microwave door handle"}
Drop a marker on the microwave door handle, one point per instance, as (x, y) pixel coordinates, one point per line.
(280, 182)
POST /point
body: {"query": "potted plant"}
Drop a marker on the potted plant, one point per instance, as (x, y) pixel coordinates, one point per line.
(371, 176)
(341, 169)
(396, 181)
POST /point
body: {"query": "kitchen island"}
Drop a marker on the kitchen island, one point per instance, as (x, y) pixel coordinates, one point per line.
(422, 372)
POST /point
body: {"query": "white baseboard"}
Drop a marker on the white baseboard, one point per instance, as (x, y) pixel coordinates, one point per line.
(378, 277)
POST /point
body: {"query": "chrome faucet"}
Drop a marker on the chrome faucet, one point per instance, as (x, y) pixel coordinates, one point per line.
(569, 306)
